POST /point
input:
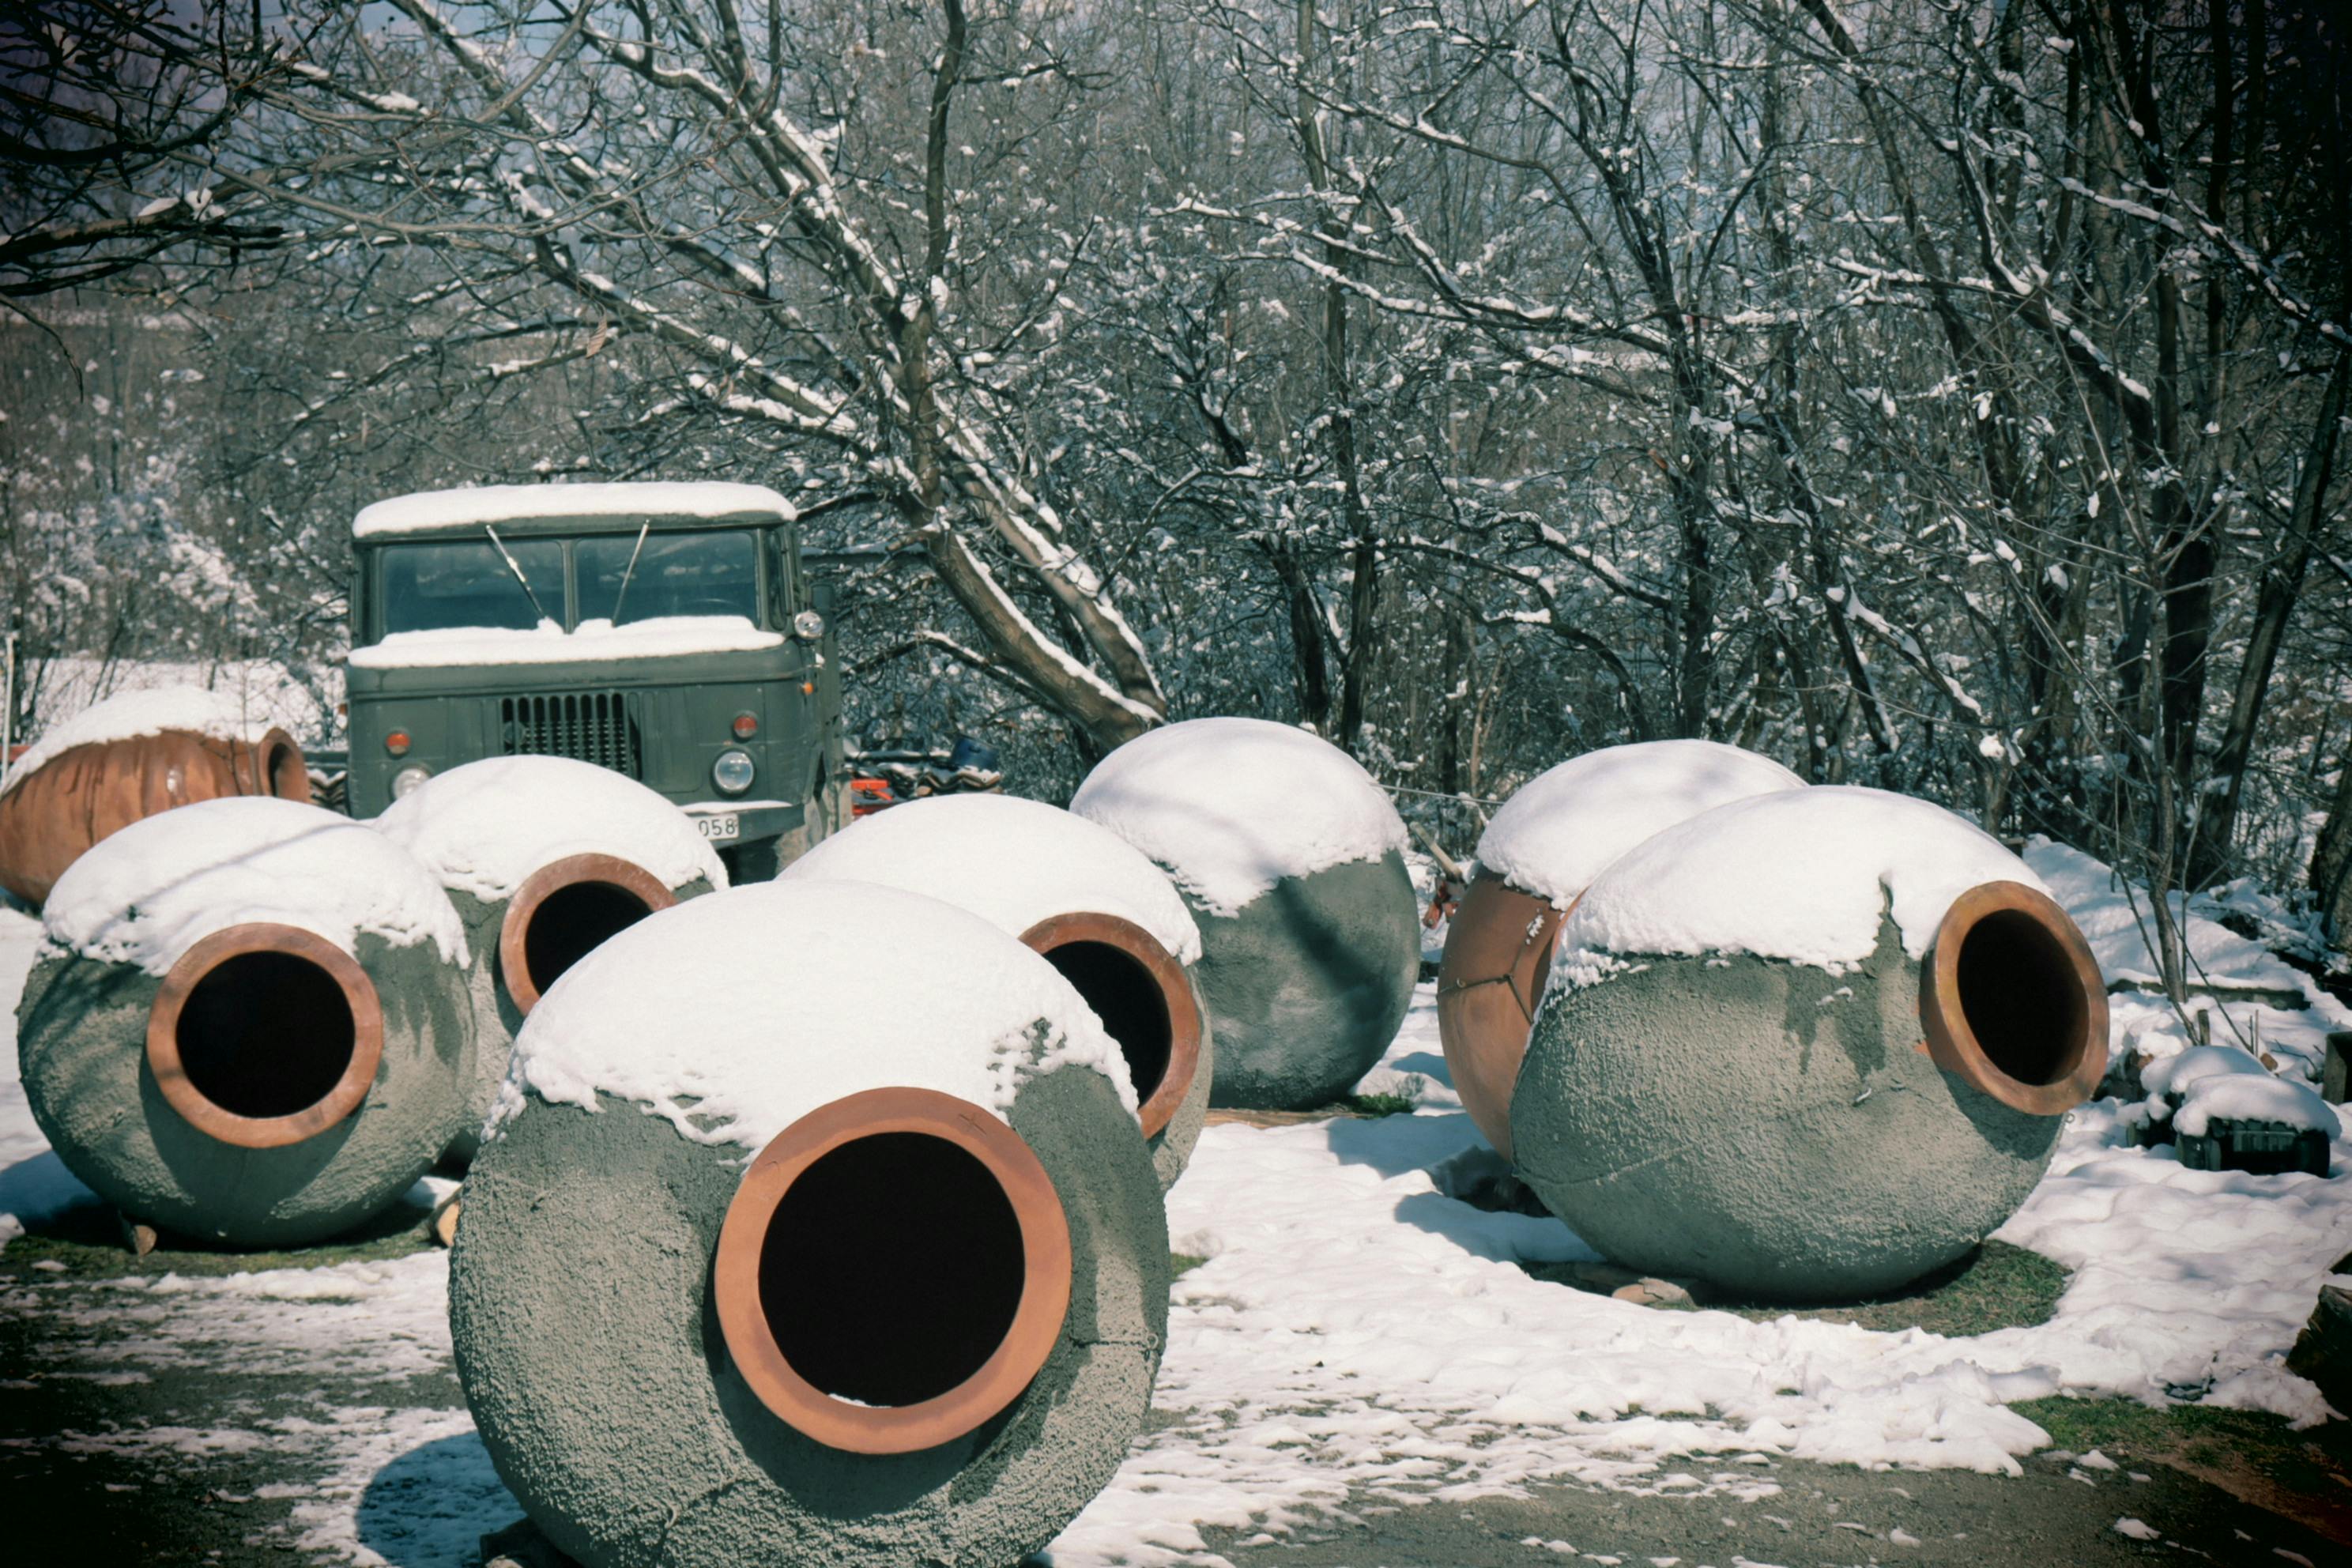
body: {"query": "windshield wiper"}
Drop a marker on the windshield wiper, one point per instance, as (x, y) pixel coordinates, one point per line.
(623, 597)
(515, 567)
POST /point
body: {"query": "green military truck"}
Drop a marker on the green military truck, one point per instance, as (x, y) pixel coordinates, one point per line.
(665, 631)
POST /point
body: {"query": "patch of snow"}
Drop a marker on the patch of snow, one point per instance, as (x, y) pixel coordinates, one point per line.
(1809, 871)
(2174, 1074)
(734, 1015)
(484, 827)
(1012, 862)
(2233, 1096)
(2183, 1280)
(2296, 1037)
(432, 512)
(660, 637)
(1231, 806)
(1554, 835)
(2118, 921)
(220, 715)
(2137, 1529)
(157, 888)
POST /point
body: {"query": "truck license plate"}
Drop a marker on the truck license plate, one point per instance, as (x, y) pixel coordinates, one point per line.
(727, 825)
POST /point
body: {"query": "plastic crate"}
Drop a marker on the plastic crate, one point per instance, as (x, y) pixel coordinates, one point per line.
(2263, 1148)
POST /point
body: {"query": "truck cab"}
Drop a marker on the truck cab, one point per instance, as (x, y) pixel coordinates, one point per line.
(665, 631)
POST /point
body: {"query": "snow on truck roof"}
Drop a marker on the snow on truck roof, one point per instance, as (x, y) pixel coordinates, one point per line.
(433, 511)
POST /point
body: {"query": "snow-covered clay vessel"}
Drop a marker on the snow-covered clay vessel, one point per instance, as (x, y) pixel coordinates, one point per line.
(1291, 860)
(248, 1022)
(1808, 1046)
(813, 1227)
(127, 758)
(1543, 848)
(1098, 911)
(545, 857)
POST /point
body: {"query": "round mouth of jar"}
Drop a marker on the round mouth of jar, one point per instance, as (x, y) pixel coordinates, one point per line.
(2013, 1002)
(893, 1271)
(565, 911)
(264, 1034)
(1143, 997)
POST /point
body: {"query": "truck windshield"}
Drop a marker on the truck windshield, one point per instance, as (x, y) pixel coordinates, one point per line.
(713, 572)
(467, 583)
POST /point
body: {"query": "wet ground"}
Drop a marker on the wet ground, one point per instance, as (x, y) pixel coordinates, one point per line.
(2051, 1517)
(130, 1433)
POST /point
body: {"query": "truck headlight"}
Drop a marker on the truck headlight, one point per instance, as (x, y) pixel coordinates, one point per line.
(732, 773)
(406, 781)
(808, 626)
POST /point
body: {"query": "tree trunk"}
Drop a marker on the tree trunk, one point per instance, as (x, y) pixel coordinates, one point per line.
(2274, 604)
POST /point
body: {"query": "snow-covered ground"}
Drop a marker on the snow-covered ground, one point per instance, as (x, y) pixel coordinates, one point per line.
(1357, 1335)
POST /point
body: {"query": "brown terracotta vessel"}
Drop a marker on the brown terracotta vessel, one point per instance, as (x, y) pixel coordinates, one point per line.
(82, 795)
(1497, 954)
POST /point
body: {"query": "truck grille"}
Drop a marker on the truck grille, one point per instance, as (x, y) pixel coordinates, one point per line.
(589, 727)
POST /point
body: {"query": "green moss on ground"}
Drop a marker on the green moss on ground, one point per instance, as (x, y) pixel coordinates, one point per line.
(1180, 1263)
(86, 1243)
(2253, 1455)
(2312, 1460)
(1995, 1287)
(1378, 1105)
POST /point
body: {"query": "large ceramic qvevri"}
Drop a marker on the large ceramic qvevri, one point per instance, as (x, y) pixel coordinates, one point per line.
(814, 1226)
(250, 1022)
(127, 758)
(1809, 1046)
(544, 857)
(1082, 896)
(1543, 847)
(1290, 857)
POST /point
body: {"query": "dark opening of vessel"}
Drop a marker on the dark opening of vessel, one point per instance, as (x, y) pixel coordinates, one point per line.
(2020, 993)
(892, 1269)
(266, 1034)
(571, 922)
(1125, 997)
(287, 776)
